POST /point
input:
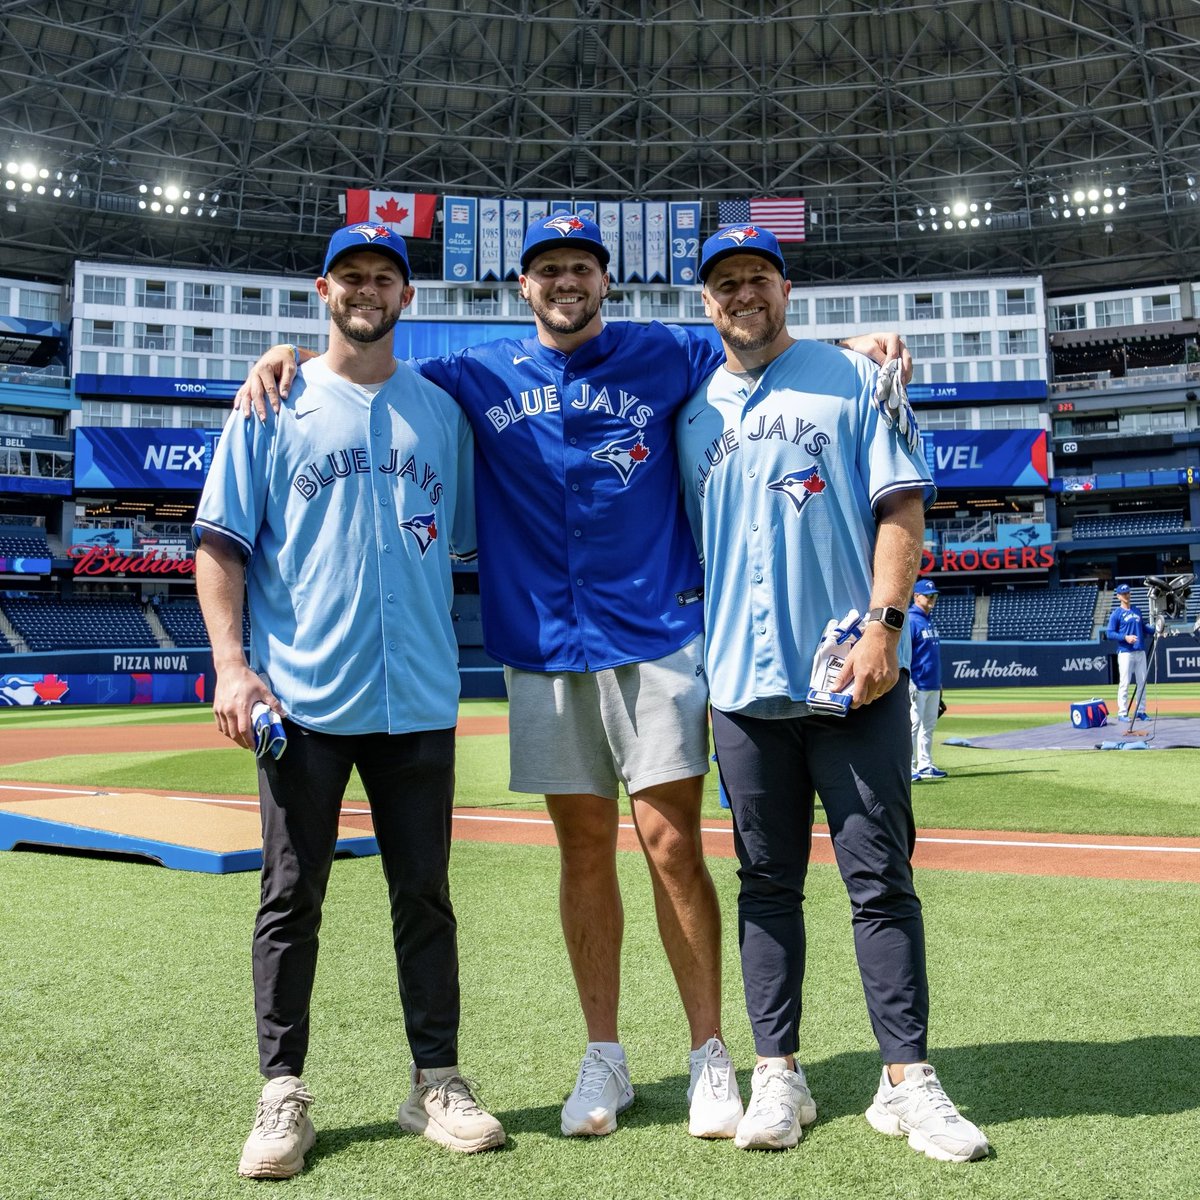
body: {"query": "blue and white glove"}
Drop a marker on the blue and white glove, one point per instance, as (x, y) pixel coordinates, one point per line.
(891, 399)
(269, 735)
(835, 644)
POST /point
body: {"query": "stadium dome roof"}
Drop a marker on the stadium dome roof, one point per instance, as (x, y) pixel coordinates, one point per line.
(870, 111)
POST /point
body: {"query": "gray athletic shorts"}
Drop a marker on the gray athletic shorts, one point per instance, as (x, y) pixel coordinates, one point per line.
(588, 732)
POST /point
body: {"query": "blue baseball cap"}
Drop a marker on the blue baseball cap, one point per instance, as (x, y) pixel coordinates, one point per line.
(925, 587)
(740, 239)
(563, 229)
(365, 236)
(1122, 589)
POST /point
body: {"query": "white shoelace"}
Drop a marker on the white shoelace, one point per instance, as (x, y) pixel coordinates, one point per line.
(455, 1094)
(716, 1074)
(773, 1090)
(278, 1116)
(928, 1096)
(595, 1073)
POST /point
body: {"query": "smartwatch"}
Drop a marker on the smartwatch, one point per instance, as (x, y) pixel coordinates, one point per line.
(892, 618)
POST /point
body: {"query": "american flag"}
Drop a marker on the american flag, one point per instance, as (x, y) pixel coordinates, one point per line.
(784, 218)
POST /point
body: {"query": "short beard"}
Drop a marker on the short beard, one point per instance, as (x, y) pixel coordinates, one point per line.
(744, 340)
(560, 322)
(342, 320)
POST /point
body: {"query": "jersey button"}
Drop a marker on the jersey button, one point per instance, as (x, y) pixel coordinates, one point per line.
(762, 629)
(383, 502)
(750, 474)
(386, 548)
(391, 645)
(391, 597)
(375, 430)
(571, 440)
(758, 577)
(579, 533)
(754, 524)
(574, 487)
(579, 583)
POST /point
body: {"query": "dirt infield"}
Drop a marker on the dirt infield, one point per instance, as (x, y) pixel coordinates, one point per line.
(1099, 857)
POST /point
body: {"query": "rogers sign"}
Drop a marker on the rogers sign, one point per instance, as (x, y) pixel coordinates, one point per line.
(1010, 558)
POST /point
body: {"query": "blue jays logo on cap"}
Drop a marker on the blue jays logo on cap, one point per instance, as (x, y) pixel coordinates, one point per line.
(423, 527)
(563, 229)
(1122, 589)
(925, 587)
(740, 239)
(377, 238)
(800, 486)
(624, 455)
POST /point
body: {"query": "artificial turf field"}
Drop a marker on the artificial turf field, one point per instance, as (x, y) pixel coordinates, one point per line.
(1065, 1019)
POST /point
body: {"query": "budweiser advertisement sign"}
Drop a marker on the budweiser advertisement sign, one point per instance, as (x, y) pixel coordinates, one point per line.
(108, 560)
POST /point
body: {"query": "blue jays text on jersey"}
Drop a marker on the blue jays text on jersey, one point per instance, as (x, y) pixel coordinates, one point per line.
(781, 482)
(346, 505)
(585, 558)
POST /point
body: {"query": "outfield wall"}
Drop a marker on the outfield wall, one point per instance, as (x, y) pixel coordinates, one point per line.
(186, 676)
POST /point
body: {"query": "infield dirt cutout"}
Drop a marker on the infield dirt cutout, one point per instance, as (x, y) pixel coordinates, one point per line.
(1099, 857)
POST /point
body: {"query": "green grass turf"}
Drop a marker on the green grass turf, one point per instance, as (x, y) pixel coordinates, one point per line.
(1032, 791)
(1064, 1022)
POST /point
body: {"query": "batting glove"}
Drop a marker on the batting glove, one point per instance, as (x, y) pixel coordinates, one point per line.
(891, 399)
(835, 644)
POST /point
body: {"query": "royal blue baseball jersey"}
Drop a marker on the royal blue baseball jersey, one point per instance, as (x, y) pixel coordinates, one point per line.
(926, 668)
(780, 480)
(1128, 621)
(347, 506)
(585, 557)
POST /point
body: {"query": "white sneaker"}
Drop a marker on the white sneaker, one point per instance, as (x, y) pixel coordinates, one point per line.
(602, 1092)
(780, 1106)
(714, 1102)
(920, 1108)
(282, 1133)
(442, 1107)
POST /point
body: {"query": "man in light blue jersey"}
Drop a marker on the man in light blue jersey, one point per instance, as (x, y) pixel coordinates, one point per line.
(591, 598)
(809, 516)
(337, 515)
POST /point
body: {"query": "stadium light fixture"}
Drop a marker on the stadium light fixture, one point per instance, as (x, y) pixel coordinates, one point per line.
(173, 199)
(1087, 199)
(958, 215)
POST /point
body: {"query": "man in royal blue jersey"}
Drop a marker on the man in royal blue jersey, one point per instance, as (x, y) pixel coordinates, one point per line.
(925, 680)
(591, 598)
(810, 518)
(1127, 627)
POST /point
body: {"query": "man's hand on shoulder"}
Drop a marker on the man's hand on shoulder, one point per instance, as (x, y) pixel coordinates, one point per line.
(269, 381)
(881, 348)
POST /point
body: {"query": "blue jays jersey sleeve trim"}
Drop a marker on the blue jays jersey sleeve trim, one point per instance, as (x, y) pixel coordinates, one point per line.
(905, 485)
(201, 527)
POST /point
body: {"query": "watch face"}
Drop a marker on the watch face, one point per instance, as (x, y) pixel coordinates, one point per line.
(893, 618)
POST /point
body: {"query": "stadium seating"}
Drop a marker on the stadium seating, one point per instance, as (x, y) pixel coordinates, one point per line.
(954, 615)
(49, 623)
(1127, 525)
(1041, 614)
(19, 542)
(185, 625)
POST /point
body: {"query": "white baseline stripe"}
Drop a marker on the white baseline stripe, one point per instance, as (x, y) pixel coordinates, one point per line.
(930, 840)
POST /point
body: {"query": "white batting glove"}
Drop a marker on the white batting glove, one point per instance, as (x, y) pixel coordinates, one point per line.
(836, 642)
(891, 399)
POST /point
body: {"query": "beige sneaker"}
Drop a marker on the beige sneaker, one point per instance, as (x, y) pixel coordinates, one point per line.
(282, 1133)
(442, 1107)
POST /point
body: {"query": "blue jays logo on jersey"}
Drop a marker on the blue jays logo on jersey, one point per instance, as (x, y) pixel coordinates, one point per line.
(423, 527)
(741, 235)
(800, 486)
(624, 455)
(565, 224)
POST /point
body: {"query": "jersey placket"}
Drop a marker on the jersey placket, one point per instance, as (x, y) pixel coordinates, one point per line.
(386, 501)
(760, 536)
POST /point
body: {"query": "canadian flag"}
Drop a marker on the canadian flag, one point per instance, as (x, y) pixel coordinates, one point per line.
(409, 214)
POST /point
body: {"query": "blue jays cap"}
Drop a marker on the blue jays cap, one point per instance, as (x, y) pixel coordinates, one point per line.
(740, 239)
(1122, 589)
(563, 229)
(365, 236)
(925, 587)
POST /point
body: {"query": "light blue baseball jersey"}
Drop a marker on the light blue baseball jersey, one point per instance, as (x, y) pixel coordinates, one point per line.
(780, 481)
(347, 506)
(585, 557)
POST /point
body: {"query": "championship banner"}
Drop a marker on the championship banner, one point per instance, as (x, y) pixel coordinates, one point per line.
(656, 242)
(110, 459)
(490, 240)
(512, 214)
(562, 206)
(460, 233)
(685, 242)
(586, 209)
(609, 220)
(633, 241)
(410, 214)
(535, 210)
(972, 458)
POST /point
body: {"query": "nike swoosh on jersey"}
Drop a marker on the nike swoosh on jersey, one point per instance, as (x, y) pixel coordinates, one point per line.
(518, 359)
(695, 415)
(305, 413)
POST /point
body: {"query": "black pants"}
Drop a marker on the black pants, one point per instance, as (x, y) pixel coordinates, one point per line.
(859, 765)
(409, 781)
